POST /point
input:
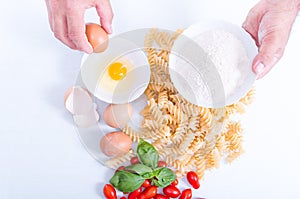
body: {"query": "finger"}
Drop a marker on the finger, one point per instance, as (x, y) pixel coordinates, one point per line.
(270, 52)
(61, 31)
(105, 13)
(49, 10)
(251, 24)
(76, 30)
(274, 33)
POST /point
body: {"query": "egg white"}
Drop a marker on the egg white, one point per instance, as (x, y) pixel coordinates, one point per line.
(122, 86)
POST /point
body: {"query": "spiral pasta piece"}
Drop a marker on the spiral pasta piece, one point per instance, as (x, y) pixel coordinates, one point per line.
(119, 160)
(162, 99)
(131, 133)
(205, 117)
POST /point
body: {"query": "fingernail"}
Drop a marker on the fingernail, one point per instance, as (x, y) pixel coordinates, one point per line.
(259, 68)
(244, 25)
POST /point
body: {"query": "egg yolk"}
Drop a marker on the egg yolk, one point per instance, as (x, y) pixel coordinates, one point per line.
(117, 71)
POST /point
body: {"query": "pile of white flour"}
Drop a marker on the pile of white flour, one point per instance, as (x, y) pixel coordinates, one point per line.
(228, 58)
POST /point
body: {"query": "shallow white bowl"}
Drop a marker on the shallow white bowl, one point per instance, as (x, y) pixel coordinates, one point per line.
(186, 55)
(95, 78)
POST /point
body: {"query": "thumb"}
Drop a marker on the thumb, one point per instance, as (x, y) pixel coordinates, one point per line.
(270, 52)
(272, 44)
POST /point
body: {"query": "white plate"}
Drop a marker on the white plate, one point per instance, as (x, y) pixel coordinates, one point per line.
(186, 56)
(95, 78)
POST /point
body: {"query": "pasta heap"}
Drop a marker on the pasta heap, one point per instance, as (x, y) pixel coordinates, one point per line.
(187, 137)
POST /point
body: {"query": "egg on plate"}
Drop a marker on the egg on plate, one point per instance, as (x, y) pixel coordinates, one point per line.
(118, 75)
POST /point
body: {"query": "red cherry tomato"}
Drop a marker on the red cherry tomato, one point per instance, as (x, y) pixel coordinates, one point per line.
(186, 194)
(147, 183)
(148, 193)
(174, 183)
(134, 160)
(120, 168)
(123, 197)
(171, 191)
(162, 164)
(109, 192)
(193, 179)
(160, 196)
(135, 194)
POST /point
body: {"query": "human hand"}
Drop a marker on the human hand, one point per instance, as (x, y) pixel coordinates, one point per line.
(269, 23)
(66, 18)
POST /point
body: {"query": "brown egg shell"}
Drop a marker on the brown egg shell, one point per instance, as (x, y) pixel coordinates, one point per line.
(117, 115)
(115, 144)
(97, 37)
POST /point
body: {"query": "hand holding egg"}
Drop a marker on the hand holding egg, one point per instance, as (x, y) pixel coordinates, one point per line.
(66, 19)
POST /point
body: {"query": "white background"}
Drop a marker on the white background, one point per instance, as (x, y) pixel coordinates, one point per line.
(40, 152)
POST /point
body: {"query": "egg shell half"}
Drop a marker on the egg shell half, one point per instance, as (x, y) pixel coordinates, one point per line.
(77, 100)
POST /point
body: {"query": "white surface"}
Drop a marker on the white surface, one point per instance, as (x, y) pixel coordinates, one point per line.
(40, 153)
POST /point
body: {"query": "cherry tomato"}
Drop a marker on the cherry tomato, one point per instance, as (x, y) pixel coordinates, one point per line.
(174, 183)
(162, 164)
(134, 160)
(171, 191)
(135, 194)
(193, 179)
(120, 168)
(186, 194)
(123, 197)
(148, 193)
(160, 196)
(109, 192)
(147, 183)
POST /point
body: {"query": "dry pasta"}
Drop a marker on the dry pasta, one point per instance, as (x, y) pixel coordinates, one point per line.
(187, 137)
(131, 133)
(115, 162)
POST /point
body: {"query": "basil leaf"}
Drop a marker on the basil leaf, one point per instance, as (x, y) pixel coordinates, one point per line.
(147, 154)
(164, 177)
(148, 175)
(125, 181)
(138, 169)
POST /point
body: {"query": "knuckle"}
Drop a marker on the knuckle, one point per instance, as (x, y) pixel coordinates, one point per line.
(279, 52)
(70, 8)
(70, 11)
(74, 35)
(54, 4)
(58, 35)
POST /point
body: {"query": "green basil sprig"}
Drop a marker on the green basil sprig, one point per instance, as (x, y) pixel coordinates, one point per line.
(133, 176)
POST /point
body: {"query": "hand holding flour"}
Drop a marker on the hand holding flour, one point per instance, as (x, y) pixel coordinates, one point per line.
(66, 18)
(269, 23)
